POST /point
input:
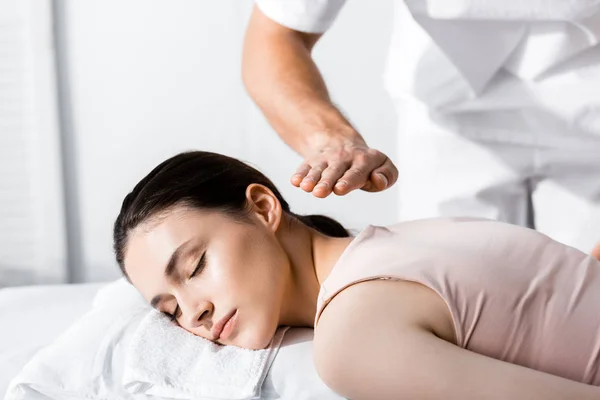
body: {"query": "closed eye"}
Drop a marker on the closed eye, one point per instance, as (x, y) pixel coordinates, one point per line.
(173, 317)
(200, 266)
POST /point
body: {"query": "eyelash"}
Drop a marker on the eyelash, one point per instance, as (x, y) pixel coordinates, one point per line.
(173, 317)
(198, 269)
(200, 266)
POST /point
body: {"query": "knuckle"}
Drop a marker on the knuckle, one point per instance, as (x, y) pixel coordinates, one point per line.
(303, 168)
(336, 155)
(335, 168)
(361, 157)
(377, 156)
(355, 171)
(373, 152)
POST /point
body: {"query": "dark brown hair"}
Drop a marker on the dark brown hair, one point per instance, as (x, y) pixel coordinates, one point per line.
(203, 180)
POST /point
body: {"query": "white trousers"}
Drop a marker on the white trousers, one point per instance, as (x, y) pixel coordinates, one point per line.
(525, 167)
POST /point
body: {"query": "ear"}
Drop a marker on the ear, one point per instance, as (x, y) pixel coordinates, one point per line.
(263, 204)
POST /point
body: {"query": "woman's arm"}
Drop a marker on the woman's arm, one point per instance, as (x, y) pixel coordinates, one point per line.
(379, 340)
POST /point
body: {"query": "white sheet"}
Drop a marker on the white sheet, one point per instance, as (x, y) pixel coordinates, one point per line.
(32, 317)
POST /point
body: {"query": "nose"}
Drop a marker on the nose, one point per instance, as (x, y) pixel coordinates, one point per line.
(196, 315)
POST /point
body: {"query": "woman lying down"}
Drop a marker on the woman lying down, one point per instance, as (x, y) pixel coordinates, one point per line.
(454, 308)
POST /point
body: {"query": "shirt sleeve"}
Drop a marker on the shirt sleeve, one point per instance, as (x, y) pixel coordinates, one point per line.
(310, 16)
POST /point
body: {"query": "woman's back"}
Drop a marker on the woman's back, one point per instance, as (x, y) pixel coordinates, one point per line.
(514, 294)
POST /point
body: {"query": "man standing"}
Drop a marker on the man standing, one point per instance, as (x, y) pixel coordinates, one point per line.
(498, 105)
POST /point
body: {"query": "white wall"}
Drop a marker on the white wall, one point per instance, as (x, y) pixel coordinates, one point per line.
(152, 78)
(32, 231)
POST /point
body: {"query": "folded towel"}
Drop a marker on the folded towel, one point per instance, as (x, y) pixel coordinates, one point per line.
(166, 361)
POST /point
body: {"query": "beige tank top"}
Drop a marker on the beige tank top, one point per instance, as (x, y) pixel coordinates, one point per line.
(514, 293)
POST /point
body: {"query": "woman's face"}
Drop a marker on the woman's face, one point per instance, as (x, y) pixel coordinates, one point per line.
(218, 278)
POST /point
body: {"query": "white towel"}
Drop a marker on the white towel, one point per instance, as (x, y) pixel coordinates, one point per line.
(166, 361)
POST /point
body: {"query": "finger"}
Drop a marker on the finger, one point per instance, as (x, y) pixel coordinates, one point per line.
(329, 177)
(300, 173)
(354, 178)
(312, 177)
(382, 177)
(596, 251)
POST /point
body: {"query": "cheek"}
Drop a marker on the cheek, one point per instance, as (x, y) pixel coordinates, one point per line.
(258, 323)
(250, 263)
(255, 282)
(251, 281)
(265, 272)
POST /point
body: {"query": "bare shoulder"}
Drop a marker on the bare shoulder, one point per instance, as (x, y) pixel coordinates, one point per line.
(378, 311)
(378, 340)
(395, 303)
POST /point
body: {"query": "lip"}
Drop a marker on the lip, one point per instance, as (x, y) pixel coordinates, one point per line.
(218, 327)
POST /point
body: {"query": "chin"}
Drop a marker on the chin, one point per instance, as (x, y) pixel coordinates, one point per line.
(255, 339)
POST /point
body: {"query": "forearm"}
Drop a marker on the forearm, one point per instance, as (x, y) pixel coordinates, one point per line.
(284, 81)
(471, 375)
(437, 369)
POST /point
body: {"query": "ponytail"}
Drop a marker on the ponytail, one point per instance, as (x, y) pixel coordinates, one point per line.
(325, 225)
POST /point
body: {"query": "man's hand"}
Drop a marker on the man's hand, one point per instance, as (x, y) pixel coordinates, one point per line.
(282, 78)
(342, 165)
(596, 251)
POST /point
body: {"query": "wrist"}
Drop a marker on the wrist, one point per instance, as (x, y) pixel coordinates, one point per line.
(331, 137)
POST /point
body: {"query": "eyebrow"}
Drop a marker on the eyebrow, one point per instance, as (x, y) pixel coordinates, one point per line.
(170, 269)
